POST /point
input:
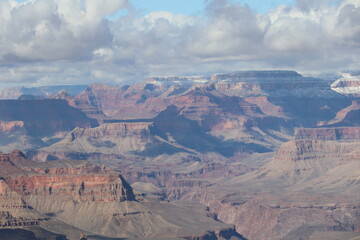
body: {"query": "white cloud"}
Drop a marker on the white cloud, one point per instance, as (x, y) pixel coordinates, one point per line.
(50, 30)
(75, 40)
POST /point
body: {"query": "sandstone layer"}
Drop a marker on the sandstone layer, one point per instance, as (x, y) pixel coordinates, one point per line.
(69, 197)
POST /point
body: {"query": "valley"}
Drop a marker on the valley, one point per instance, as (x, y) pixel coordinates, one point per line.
(243, 155)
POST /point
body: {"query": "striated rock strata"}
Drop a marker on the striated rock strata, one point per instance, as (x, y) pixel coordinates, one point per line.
(72, 197)
(348, 85)
(76, 181)
(342, 133)
(310, 187)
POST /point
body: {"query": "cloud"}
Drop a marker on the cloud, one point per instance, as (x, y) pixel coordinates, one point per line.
(50, 30)
(77, 42)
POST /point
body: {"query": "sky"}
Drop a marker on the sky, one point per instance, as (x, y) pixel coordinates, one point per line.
(195, 7)
(50, 42)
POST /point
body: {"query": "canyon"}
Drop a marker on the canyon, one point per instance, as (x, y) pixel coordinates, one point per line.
(242, 155)
(71, 197)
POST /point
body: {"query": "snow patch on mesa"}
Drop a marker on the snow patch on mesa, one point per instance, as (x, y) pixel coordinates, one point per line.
(349, 84)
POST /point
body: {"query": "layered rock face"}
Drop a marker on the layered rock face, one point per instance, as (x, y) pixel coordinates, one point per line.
(239, 106)
(69, 181)
(214, 112)
(309, 188)
(209, 142)
(342, 133)
(116, 139)
(70, 197)
(126, 102)
(170, 132)
(14, 211)
(152, 97)
(271, 83)
(348, 85)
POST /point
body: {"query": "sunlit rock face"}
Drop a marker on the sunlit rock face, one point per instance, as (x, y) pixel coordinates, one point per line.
(348, 85)
(76, 196)
(271, 83)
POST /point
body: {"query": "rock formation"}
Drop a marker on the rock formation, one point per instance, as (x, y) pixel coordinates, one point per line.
(310, 186)
(23, 123)
(348, 85)
(10, 126)
(271, 83)
(43, 92)
(73, 197)
(267, 147)
(43, 117)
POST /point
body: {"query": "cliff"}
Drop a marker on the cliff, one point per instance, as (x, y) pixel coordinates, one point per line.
(348, 85)
(14, 211)
(334, 134)
(271, 83)
(43, 117)
(72, 197)
(10, 126)
(107, 139)
(76, 181)
(309, 187)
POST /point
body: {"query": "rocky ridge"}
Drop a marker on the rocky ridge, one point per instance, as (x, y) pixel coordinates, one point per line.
(315, 177)
(44, 91)
(271, 83)
(24, 123)
(42, 117)
(77, 196)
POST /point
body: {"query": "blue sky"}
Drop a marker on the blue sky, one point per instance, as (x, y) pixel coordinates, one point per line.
(196, 6)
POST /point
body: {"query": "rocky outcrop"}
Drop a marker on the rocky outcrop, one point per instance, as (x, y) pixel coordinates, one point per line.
(14, 211)
(101, 101)
(77, 196)
(291, 217)
(310, 186)
(72, 181)
(347, 116)
(271, 83)
(348, 85)
(235, 107)
(111, 130)
(63, 94)
(112, 140)
(334, 134)
(10, 126)
(255, 75)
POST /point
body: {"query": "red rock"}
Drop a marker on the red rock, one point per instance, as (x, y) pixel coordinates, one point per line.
(77, 181)
(10, 126)
(341, 133)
